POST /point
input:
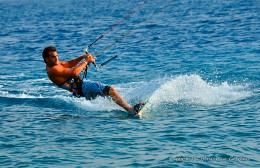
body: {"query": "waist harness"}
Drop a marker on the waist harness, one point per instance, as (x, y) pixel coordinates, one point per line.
(74, 85)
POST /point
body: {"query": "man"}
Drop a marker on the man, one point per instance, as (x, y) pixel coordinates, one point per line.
(66, 76)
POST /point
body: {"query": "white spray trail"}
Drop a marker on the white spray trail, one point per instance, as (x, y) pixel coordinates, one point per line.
(195, 90)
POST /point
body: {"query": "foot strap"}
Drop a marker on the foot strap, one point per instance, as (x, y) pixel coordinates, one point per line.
(138, 107)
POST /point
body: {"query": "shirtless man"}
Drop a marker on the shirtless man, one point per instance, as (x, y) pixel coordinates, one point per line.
(66, 76)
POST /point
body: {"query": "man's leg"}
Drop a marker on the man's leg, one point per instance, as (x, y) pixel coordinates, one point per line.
(118, 99)
(92, 89)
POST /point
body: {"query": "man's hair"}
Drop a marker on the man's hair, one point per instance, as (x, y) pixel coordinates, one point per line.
(46, 52)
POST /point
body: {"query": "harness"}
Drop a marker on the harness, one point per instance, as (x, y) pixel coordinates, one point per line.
(74, 85)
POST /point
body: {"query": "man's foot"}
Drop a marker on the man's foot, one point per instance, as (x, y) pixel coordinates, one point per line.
(137, 108)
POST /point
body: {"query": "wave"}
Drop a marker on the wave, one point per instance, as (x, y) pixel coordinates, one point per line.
(183, 89)
(193, 89)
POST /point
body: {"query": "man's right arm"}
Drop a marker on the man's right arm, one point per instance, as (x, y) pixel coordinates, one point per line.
(62, 71)
(77, 69)
(88, 59)
(74, 62)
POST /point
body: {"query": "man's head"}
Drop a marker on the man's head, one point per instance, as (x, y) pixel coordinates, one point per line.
(50, 56)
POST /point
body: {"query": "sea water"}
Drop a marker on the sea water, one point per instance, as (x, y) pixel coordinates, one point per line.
(196, 62)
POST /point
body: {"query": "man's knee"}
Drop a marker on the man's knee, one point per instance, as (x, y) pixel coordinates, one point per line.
(108, 90)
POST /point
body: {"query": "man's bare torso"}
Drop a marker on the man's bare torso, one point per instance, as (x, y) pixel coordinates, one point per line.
(53, 74)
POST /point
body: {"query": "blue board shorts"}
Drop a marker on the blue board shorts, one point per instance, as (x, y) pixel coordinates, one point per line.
(92, 89)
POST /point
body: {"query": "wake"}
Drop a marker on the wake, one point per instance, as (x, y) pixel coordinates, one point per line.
(183, 89)
(193, 89)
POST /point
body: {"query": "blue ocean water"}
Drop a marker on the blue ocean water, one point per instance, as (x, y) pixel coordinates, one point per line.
(197, 62)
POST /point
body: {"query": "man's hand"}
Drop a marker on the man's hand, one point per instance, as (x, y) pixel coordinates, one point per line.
(89, 58)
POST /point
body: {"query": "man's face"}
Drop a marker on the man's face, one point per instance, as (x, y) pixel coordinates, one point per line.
(53, 58)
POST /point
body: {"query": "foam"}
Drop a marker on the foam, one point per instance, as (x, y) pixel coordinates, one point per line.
(193, 89)
(186, 89)
(98, 104)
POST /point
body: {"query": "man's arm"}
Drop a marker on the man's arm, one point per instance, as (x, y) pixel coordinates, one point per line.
(67, 72)
(74, 62)
(75, 71)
